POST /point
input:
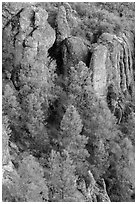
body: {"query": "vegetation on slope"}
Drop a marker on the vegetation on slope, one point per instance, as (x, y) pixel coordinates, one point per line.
(61, 142)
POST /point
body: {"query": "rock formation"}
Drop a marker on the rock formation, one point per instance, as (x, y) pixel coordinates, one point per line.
(65, 22)
(111, 64)
(72, 20)
(74, 50)
(98, 66)
(94, 193)
(36, 35)
(63, 29)
(29, 37)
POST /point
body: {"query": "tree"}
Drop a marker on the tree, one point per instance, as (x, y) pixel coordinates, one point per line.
(32, 72)
(62, 179)
(32, 177)
(11, 106)
(79, 80)
(11, 188)
(71, 139)
(128, 127)
(101, 129)
(36, 93)
(95, 115)
(122, 171)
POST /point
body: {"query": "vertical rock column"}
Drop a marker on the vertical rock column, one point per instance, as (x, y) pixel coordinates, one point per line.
(114, 68)
(98, 65)
(29, 36)
(122, 72)
(39, 36)
(63, 29)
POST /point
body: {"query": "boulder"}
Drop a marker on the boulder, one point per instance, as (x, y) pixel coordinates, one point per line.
(74, 50)
(106, 37)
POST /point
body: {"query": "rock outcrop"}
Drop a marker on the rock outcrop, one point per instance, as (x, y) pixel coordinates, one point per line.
(72, 20)
(36, 36)
(111, 64)
(98, 66)
(94, 192)
(74, 50)
(29, 37)
(66, 21)
(63, 29)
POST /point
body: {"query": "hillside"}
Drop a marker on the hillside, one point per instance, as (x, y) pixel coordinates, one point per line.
(68, 102)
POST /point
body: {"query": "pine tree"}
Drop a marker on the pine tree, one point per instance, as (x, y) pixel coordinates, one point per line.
(62, 179)
(36, 93)
(33, 184)
(124, 168)
(98, 122)
(11, 106)
(100, 126)
(79, 82)
(11, 185)
(72, 141)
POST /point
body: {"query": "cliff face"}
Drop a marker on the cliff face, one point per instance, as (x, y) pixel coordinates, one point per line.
(119, 69)
(112, 67)
(30, 36)
(111, 62)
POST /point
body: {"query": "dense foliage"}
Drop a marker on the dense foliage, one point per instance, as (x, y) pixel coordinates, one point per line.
(55, 129)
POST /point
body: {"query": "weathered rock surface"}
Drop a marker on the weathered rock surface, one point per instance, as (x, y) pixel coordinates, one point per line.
(94, 193)
(30, 29)
(74, 50)
(112, 67)
(63, 29)
(30, 37)
(98, 65)
(114, 54)
(66, 21)
(71, 19)
(36, 35)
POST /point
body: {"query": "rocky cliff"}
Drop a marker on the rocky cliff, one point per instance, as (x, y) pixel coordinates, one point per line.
(118, 62)
(112, 66)
(110, 60)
